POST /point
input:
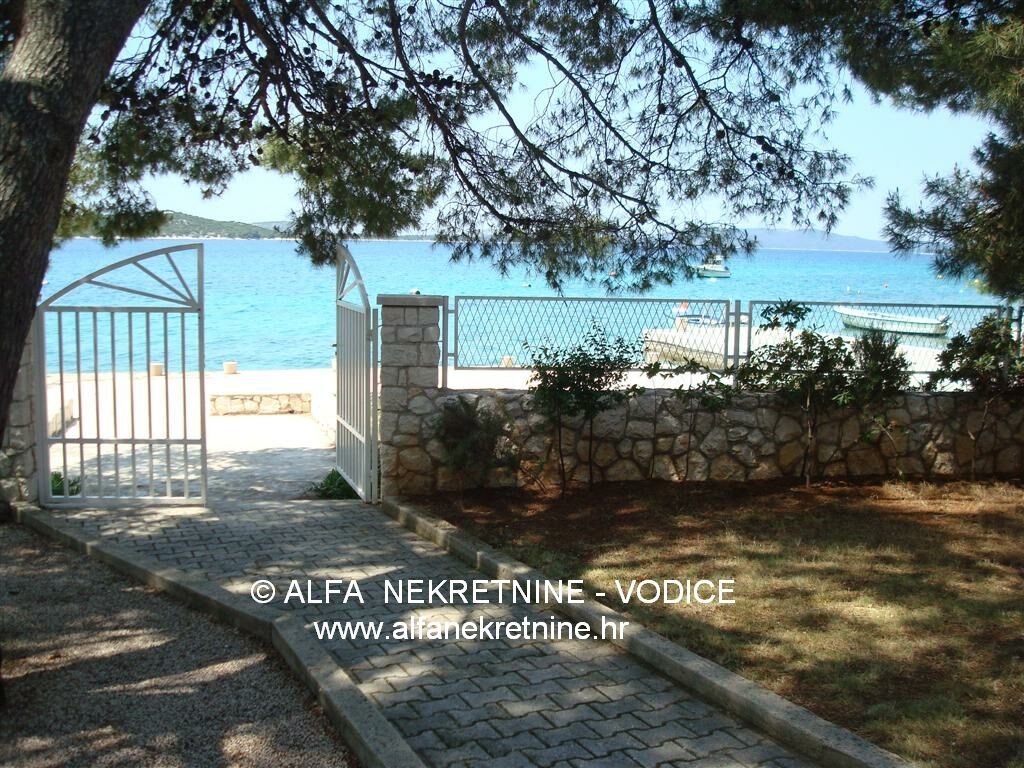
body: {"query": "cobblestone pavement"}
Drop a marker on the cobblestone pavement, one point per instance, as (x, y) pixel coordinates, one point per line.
(492, 703)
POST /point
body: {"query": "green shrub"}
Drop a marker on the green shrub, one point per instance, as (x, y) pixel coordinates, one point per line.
(474, 439)
(74, 485)
(581, 380)
(988, 362)
(880, 370)
(817, 372)
(333, 486)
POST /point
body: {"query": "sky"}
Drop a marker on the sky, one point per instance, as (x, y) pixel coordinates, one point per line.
(898, 148)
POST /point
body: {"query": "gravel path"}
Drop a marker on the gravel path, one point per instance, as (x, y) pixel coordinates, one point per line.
(103, 672)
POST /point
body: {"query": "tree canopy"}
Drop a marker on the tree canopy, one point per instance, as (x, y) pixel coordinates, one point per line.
(924, 54)
(641, 111)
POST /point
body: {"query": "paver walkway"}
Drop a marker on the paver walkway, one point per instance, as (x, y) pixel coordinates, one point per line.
(492, 702)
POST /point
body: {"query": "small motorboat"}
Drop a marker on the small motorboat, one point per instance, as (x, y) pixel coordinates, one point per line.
(714, 267)
(866, 319)
(682, 314)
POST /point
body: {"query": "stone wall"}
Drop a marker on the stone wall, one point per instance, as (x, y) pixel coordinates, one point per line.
(17, 447)
(661, 436)
(250, 404)
(657, 435)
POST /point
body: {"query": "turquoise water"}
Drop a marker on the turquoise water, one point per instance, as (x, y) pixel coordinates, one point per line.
(268, 308)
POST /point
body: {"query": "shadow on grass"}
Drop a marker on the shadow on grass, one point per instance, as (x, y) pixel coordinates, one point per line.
(901, 618)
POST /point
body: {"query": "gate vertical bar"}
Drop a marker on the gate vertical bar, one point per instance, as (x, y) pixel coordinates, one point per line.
(45, 490)
(113, 405)
(63, 417)
(736, 332)
(201, 331)
(372, 442)
(444, 343)
(725, 336)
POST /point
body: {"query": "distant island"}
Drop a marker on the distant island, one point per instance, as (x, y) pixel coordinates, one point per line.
(185, 226)
(812, 240)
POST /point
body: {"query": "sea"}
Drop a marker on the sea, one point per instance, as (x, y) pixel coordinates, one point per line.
(268, 308)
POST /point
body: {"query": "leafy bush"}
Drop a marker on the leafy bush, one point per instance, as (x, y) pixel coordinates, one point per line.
(581, 380)
(333, 486)
(817, 372)
(74, 485)
(880, 370)
(472, 437)
(988, 362)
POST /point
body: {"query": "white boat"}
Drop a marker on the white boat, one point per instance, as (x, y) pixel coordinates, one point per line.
(710, 341)
(883, 321)
(714, 267)
(683, 316)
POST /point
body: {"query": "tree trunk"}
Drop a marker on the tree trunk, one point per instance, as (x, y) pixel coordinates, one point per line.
(51, 78)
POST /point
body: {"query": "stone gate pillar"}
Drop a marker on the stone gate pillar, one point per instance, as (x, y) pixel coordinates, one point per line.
(410, 376)
(18, 444)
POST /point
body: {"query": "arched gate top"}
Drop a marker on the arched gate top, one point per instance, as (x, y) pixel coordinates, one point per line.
(350, 280)
(171, 288)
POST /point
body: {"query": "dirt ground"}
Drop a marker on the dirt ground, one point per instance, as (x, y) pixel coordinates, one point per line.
(100, 671)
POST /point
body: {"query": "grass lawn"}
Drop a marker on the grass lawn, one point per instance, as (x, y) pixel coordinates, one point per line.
(895, 609)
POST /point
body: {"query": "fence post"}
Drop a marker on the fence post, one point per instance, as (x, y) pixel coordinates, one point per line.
(444, 343)
(409, 359)
(738, 314)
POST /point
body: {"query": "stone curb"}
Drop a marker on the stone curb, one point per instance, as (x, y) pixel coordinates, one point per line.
(792, 725)
(373, 739)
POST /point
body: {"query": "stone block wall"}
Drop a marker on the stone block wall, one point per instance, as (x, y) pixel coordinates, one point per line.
(658, 435)
(253, 404)
(17, 446)
(410, 354)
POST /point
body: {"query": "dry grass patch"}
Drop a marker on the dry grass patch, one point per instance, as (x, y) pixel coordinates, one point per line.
(894, 609)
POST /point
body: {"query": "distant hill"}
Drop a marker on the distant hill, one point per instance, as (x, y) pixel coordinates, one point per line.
(184, 225)
(812, 240)
(282, 227)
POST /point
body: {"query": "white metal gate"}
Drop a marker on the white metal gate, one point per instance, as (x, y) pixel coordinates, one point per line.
(120, 398)
(357, 450)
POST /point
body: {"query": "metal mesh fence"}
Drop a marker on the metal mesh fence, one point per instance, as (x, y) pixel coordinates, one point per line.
(490, 332)
(496, 332)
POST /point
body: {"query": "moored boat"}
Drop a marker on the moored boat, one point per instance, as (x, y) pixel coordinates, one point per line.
(714, 267)
(866, 319)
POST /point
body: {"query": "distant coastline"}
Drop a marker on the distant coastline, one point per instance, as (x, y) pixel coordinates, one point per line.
(431, 240)
(184, 226)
